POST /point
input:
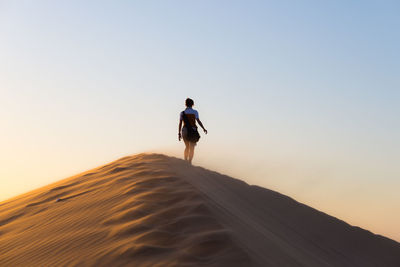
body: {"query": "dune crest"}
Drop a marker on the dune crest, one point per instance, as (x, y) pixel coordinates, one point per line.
(154, 210)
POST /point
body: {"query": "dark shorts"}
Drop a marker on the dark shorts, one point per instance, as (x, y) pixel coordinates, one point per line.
(184, 134)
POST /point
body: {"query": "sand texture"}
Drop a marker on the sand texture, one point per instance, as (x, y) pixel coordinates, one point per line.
(154, 210)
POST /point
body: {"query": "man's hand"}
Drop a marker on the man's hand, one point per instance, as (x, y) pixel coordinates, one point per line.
(179, 136)
(205, 131)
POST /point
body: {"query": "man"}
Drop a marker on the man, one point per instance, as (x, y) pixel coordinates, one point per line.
(189, 117)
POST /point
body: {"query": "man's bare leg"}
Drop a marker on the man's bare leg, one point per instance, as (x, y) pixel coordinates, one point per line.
(191, 151)
(186, 152)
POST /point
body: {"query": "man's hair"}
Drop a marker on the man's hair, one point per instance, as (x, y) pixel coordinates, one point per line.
(189, 102)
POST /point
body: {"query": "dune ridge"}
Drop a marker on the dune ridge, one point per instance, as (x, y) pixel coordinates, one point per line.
(154, 210)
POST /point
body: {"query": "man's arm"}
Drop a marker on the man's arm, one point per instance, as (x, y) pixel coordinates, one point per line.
(201, 124)
(179, 130)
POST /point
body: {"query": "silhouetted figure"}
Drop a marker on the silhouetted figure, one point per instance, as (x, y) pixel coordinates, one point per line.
(189, 131)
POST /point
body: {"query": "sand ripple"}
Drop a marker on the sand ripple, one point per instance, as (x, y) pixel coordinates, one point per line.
(132, 212)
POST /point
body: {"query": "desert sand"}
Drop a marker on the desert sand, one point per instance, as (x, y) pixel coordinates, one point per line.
(154, 210)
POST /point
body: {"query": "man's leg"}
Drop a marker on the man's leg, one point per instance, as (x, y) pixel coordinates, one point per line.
(191, 151)
(186, 152)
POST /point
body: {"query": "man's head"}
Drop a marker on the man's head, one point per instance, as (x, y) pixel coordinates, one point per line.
(189, 102)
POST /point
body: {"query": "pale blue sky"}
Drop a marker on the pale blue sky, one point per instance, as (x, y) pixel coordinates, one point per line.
(298, 96)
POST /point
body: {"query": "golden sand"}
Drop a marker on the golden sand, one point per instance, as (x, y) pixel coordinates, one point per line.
(154, 210)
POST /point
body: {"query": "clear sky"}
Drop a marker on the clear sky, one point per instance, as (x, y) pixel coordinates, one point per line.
(301, 97)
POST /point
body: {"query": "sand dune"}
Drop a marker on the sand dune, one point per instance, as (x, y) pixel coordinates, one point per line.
(154, 210)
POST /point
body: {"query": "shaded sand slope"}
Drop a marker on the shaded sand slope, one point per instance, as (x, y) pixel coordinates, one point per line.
(276, 230)
(154, 210)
